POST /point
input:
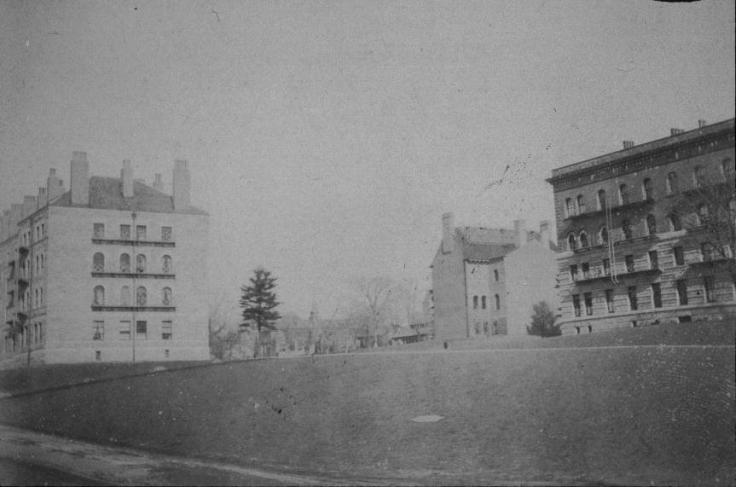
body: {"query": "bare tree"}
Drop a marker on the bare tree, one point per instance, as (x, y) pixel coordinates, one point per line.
(376, 293)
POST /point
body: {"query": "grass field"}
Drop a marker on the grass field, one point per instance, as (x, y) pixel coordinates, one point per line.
(615, 415)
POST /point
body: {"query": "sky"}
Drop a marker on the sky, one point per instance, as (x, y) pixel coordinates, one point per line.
(326, 139)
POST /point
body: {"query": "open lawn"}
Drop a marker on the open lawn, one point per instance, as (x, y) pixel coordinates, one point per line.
(577, 415)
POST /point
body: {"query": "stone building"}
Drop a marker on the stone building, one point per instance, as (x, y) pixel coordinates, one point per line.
(111, 270)
(633, 226)
(485, 280)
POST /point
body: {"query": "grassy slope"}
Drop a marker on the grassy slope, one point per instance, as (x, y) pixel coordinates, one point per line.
(619, 415)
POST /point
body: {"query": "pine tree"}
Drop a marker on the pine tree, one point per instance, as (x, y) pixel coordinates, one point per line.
(543, 321)
(259, 301)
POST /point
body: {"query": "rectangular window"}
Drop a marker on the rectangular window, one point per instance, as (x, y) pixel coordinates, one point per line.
(682, 292)
(475, 302)
(141, 329)
(710, 295)
(609, 300)
(483, 302)
(574, 272)
(99, 230)
(588, 303)
(653, 260)
(98, 330)
(679, 256)
(576, 304)
(586, 271)
(657, 294)
(606, 267)
(140, 232)
(125, 330)
(629, 263)
(166, 329)
(125, 232)
(166, 234)
(633, 303)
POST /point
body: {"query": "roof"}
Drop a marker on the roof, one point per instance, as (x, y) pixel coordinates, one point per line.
(483, 244)
(106, 193)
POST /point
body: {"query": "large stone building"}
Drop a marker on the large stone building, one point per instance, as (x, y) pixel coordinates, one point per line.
(637, 231)
(111, 270)
(486, 280)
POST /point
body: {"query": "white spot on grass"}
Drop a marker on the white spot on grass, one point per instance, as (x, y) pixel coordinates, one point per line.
(429, 418)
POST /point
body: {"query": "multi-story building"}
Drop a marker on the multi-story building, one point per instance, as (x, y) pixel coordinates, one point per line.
(638, 236)
(111, 270)
(485, 281)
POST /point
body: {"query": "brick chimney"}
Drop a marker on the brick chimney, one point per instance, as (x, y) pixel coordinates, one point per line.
(54, 185)
(29, 205)
(126, 176)
(628, 144)
(182, 185)
(520, 233)
(158, 183)
(676, 131)
(448, 233)
(79, 180)
(702, 123)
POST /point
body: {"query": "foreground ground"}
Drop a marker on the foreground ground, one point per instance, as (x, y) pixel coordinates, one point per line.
(610, 413)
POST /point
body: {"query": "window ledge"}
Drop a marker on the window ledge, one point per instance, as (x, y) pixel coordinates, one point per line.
(134, 275)
(139, 243)
(132, 308)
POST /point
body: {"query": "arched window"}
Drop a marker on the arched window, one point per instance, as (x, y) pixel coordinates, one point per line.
(98, 262)
(702, 215)
(626, 228)
(166, 264)
(570, 207)
(141, 297)
(581, 204)
(603, 235)
(166, 297)
(675, 223)
(647, 189)
(672, 187)
(623, 194)
(124, 263)
(571, 242)
(602, 199)
(651, 225)
(140, 263)
(583, 240)
(498, 301)
(698, 177)
(125, 296)
(99, 296)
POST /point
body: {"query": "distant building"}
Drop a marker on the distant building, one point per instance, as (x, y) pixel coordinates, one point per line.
(486, 280)
(112, 270)
(633, 254)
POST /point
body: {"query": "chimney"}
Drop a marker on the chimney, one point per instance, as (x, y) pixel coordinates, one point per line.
(520, 233)
(676, 131)
(628, 144)
(544, 232)
(29, 205)
(448, 233)
(79, 180)
(42, 198)
(54, 185)
(702, 123)
(158, 183)
(16, 212)
(182, 185)
(126, 176)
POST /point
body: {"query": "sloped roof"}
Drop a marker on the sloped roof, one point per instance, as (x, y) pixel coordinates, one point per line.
(107, 194)
(482, 244)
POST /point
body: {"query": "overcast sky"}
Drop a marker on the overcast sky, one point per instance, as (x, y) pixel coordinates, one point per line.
(326, 139)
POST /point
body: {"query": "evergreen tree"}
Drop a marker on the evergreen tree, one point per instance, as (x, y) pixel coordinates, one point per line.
(543, 321)
(259, 301)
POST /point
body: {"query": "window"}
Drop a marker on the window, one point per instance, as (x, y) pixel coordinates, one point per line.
(653, 260)
(682, 292)
(602, 199)
(41, 295)
(679, 256)
(623, 194)
(166, 234)
(574, 272)
(482, 299)
(606, 267)
(141, 297)
(140, 263)
(657, 295)
(576, 304)
(570, 207)
(581, 204)
(707, 251)
(475, 302)
(98, 230)
(166, 353)
(586, 271)
(626, 228)
(98, 262)
(98, 355)
(140, 232)
(633, 304)
(727, 169)
(609, 300)
(603, 235)
(708, 284)
(571, 243)
(125, 232)
(495, 274)
(124, 263)
(141, 329)
(498, 301)
(166, 330)
(647, 189)
(702, 216)
(583, 240)
(166, 264)
(588, 297)
(166, 297)
(629, 259)
(99, 296)
(672, 187)
(98, 330)
(651, 225)
(125, 296)
(699, 177)
(125, 330)
(675, 224)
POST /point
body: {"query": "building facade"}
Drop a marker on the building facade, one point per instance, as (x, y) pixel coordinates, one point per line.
(485, 280)
(112, 270)
(637, 231)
